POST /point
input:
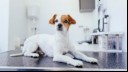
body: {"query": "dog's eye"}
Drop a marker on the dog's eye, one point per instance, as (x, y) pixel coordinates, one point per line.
(65, 21)
(56, 21)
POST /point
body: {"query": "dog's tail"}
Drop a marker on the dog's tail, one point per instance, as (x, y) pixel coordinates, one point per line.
(18, 54)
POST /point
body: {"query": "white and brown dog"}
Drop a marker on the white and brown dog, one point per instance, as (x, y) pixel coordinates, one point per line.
(56, 45)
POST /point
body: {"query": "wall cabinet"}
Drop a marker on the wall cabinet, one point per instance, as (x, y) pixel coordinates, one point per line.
(86, 5)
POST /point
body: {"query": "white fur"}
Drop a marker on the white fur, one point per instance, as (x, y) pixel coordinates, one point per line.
(55, 46)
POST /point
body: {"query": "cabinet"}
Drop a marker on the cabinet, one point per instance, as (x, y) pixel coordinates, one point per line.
(86, 5)
(108, 41)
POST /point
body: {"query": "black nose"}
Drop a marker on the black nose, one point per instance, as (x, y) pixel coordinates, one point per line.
(59, 25)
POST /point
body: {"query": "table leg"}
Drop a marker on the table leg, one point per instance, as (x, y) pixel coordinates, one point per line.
(117, 42)
(100, 41)
(106, 41)
(92, 40)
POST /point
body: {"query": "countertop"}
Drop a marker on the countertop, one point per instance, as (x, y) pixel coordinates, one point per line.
(106, 61)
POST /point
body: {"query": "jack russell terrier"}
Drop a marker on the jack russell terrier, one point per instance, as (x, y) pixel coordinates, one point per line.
(56, 45)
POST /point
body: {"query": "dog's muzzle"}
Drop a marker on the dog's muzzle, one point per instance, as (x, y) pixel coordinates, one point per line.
(60, 27)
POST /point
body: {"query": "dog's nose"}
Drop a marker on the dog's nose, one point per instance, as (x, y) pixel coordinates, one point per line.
(59, 25)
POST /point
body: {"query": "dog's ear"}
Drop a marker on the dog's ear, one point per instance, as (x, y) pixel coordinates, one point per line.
(52, 20)
(71, 20)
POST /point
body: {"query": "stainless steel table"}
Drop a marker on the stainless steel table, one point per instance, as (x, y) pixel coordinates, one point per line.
(106, 61)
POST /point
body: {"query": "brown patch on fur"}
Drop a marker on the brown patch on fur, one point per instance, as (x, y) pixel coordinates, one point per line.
(52, 20)
(67, 20)
(63, 19)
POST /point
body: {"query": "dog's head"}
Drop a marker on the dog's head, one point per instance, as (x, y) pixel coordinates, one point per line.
(62, 22)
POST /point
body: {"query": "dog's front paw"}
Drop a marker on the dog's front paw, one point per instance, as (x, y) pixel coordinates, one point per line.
(93, 60)
(78, 63)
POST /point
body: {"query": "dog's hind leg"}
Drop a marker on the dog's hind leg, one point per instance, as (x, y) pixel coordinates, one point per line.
(31, 47)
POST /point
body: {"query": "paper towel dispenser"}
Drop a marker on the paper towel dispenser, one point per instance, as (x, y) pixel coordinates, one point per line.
(86, 5)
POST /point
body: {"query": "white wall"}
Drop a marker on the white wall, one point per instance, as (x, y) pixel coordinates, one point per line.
(13, 19)
(50, 7)
(4, 20)
(118, 12)
(17, 22)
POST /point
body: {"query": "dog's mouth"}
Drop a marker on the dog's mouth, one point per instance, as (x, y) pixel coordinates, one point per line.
(60, 29)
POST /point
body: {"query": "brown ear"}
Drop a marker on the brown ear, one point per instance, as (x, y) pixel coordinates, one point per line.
(52, 20)
(71, 20)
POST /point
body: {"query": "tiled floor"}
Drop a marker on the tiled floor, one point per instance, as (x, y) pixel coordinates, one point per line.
(106, 61)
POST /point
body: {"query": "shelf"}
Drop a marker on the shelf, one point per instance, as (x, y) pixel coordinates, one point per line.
(94, 48)
(102, 33)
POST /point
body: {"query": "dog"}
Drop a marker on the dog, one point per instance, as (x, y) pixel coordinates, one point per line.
(56, 45)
